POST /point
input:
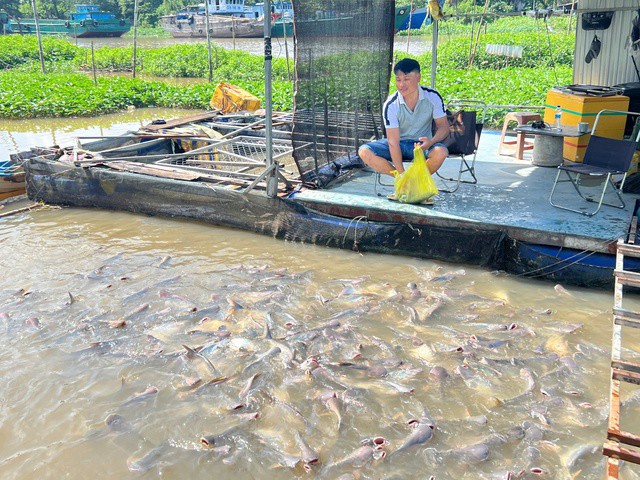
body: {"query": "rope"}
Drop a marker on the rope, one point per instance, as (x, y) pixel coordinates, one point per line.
(355, 230)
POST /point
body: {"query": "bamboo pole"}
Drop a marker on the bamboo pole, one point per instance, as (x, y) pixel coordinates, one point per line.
(573, 5)
(135, 35)
(93, 65)
(475, 46)
(434, 52)
(206, 13)
(37, 22)
(409, 29)
(284, 36)
(233, 31)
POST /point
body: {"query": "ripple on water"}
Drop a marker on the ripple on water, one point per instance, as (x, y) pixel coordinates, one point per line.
(285, 341)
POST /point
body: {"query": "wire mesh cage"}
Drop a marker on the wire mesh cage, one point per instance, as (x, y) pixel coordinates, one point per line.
(243, 152)
(240, 158)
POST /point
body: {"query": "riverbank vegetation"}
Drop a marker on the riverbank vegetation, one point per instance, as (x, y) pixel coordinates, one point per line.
(465, 70)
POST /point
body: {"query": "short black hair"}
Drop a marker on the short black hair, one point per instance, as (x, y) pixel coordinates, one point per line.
(406, 65)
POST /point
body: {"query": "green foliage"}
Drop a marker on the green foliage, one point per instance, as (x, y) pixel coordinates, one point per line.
(509, 86)
(538, 50)
(16, 50)
(493, 24)
(193, 61)
(25, 92)
(33, 94)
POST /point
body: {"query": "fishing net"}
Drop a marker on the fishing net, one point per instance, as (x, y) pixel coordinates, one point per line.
(343, 51)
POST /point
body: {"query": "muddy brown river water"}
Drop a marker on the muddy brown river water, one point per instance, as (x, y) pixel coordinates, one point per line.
(142, 347)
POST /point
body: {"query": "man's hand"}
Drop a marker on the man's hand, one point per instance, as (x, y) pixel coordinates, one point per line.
(425, 143)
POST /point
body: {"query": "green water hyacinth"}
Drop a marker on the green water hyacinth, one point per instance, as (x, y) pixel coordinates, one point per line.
(32, 94)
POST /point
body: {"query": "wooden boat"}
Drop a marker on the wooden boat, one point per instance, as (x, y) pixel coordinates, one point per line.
(172, 171)
(12, 179)
(228, 20)
(87, 21)
(220, 26)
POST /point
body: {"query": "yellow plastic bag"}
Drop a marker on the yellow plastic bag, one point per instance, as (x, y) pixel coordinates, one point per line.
(415, 184)
(230, 98)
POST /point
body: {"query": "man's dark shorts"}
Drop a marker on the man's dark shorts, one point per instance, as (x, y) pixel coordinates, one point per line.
(381, 148)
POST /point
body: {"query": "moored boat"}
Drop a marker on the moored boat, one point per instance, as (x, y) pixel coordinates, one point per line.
(220, 26)
(415, 18)
(223, 182)
(87, 21)
(12, 179)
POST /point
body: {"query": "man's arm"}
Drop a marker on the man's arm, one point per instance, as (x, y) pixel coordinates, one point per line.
(393, 136)
(442, 132)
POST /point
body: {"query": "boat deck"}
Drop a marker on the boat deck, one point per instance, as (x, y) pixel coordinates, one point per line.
(512, 195)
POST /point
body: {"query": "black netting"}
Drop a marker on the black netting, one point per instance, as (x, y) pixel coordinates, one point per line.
(343, 51)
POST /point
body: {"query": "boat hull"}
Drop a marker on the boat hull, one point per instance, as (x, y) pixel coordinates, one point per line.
(12, 180)
(417, 18)
(285, 218)
(56, 183)
(73, 28)
(220, 26)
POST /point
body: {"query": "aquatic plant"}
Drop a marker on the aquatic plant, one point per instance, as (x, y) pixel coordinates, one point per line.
(16, 50)
(33, 94)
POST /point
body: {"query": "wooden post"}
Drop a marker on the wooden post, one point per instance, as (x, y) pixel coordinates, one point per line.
(284, 36)
(206, 25)
(233, 31)
(409, 29)
(475, 45)
(35, 18)
(135, 35)
(573, 5)
(93, 65)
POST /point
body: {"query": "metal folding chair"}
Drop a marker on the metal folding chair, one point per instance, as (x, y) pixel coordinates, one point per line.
(603, 158)
(464, 140)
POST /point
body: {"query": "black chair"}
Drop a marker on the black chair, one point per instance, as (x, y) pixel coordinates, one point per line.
(464, 139)
(603, 158)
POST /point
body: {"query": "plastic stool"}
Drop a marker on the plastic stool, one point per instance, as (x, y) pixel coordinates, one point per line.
(521, 118)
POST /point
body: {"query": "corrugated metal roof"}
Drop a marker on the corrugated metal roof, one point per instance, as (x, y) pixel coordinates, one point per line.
(613, 65)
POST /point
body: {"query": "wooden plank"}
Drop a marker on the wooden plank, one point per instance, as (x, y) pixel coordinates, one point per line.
(182, 121)
(615, 451)
(12, 193)
(626, 322)
(625, 376)
(627, 367)
(20, 210)
(628, 278)
(629, 250)
(612, 468)
(624, 437)
(626, 314)
(154, 170)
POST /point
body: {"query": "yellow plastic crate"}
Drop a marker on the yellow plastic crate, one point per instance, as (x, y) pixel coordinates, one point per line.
(582, 108)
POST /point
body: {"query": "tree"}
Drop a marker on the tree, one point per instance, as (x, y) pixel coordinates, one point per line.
(12, 7)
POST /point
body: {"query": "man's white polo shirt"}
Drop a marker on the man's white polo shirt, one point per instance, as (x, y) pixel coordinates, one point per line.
(416, 123)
